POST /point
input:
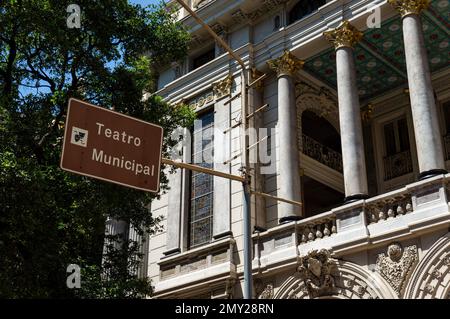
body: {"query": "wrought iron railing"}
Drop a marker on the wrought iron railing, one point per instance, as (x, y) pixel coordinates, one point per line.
(321, 153)
(447, 147)
(397, 165)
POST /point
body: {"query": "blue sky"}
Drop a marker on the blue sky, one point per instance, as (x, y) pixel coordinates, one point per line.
(145, 2)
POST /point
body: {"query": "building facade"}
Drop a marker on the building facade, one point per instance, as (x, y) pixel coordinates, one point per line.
(352, 118)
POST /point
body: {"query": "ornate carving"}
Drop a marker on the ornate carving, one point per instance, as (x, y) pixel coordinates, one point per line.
(200, 3)
(316, 271)
(323, 98)
(267, 7)
(239, 17)
(255, 75)
(223, 88)
(287, 64)
(218, 28)
(366, 113)
(267, 293)
(407, 7)
(345, 35)
(321, 153)
(397, 266)
(389, 207)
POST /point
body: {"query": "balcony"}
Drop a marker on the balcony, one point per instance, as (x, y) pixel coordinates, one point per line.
(397, 165)
(212, 263)
(415, 209)
(418, 207)
(322, 153)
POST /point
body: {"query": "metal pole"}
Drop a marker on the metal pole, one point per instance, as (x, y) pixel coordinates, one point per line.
(248, 249)
(248, 275)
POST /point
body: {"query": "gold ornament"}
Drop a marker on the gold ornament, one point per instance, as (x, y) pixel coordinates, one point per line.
(287, 64)
(407, 7)
(256, 74)
(345, 35)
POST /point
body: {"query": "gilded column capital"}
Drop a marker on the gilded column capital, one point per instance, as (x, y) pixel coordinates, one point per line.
(407, 7)
(287, 64)
(345, 35)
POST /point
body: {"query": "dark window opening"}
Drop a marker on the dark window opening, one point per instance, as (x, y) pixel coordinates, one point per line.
(447, 130)
(201, 188)
(321, 141)
(319, 198)
(447, 117)
(203, 59)
(397, 160)
(304, 8)
(277, 23)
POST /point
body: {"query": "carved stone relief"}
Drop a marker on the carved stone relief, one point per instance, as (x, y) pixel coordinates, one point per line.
(316, 271)
(223, 88)
(321, 276)
(397, 265)
(431, 277)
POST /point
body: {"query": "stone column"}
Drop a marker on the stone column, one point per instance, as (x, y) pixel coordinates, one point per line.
(353, 158)
(423, 105)
(288, 158)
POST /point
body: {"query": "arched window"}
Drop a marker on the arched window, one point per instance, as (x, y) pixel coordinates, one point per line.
(303, 8)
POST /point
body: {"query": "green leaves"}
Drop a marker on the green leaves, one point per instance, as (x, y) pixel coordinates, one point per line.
(50, 218)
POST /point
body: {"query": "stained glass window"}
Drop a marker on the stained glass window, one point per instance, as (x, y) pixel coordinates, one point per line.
(201, 206)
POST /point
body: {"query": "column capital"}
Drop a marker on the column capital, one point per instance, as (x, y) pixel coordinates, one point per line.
(287, 64)
(408, 7)
(345, 35)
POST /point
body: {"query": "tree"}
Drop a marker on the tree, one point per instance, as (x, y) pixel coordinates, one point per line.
(49, 218)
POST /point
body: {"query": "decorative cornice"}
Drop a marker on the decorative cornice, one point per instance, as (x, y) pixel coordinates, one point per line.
(197, 4)
(197, 41)
(223, 88)
(345, 35)
(219, 29)
(408, 7)
(239, 17)
(287, 64)
(268, 6)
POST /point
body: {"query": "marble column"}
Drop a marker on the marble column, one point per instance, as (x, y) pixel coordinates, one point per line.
(288, 157)
(423, 105)
(344, 38)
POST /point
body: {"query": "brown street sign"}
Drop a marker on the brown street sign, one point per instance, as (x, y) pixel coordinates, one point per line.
(110, 146)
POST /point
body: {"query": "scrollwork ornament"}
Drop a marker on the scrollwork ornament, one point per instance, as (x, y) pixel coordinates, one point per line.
(267, 293)
(398, 265)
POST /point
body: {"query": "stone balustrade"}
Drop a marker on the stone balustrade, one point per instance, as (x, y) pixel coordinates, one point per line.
(317, 229)
(388, 208)
(416, 207)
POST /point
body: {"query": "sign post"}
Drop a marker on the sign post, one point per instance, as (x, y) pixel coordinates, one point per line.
(111, 146)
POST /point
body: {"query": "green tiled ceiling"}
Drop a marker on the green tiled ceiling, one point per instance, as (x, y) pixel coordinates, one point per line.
(380, 57)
